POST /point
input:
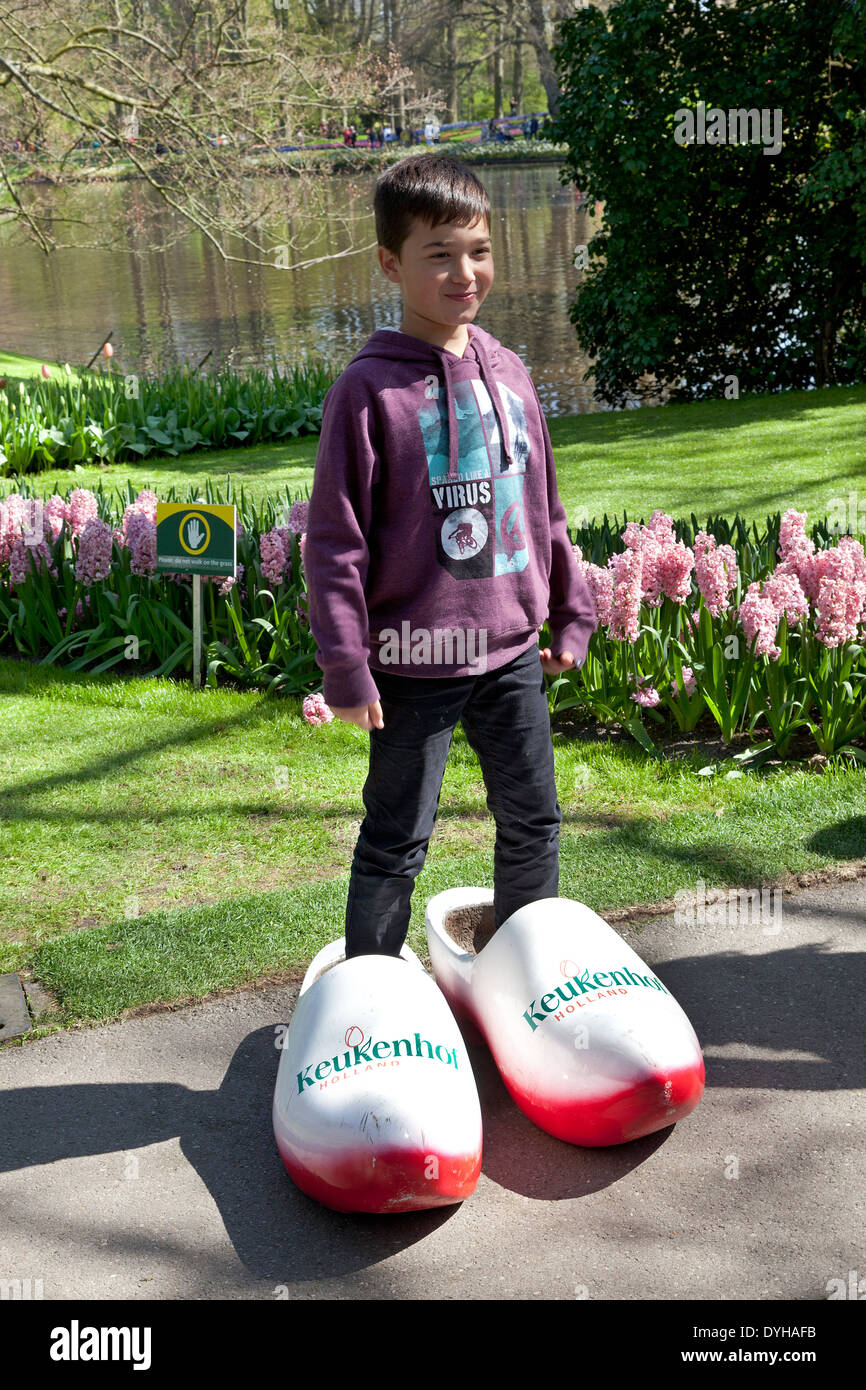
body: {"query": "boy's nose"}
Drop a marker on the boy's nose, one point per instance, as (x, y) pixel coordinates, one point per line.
(464, 273)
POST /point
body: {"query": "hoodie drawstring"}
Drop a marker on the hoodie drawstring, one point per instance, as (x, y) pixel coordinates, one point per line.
(493, 391)
(495, 399)
(452, 420)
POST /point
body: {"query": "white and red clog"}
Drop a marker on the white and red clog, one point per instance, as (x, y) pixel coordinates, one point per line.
(591, 1044)
(375, 1106)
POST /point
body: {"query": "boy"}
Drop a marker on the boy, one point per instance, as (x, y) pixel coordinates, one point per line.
(436, 547)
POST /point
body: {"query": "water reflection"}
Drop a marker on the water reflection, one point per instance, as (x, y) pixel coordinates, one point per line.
(176, 304)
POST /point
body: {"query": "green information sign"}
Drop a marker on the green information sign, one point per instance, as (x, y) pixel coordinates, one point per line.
(195, 538)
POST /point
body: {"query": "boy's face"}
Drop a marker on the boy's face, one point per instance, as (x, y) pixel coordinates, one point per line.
(445, 273)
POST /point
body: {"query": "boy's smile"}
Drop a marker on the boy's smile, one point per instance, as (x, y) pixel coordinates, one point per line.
(445, 273)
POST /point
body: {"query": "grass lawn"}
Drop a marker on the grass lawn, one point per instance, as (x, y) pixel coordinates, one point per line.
(161, 843)
(756, 456)
(13, 365)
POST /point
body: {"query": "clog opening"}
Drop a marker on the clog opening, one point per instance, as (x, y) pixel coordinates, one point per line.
(329, 965)
(470, 927)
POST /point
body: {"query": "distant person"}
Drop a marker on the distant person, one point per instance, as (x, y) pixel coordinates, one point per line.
(398, 134)
(354, 132)
(514, 106)
(526, 128)
(533, 128)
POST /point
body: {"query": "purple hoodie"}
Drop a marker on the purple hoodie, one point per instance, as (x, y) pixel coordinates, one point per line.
(422, 521)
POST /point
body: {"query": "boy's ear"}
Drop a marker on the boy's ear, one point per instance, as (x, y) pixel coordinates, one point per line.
(389, 263)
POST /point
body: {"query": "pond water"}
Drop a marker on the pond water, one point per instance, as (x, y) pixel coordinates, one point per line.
(172, 306)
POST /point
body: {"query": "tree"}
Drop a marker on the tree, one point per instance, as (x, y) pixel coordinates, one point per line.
(720, 265)
(161, 83)
(541, 28)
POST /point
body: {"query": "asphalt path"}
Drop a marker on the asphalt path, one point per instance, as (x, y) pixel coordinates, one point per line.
(138, 1161)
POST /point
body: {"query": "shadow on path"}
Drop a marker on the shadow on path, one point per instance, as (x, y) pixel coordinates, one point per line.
(801, 999)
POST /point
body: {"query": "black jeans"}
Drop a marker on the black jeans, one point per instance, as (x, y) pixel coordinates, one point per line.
(505, 717)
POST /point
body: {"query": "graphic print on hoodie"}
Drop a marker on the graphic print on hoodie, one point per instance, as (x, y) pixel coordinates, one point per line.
(478, 514)
(392, 541)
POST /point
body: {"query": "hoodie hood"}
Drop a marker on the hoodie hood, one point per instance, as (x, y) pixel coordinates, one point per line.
(483, 352)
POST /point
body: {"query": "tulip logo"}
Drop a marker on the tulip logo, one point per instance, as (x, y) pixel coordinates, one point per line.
(354, 1036)
(567, 968)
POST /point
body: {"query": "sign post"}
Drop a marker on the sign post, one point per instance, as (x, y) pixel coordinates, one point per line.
(196, 538)
(196, 630)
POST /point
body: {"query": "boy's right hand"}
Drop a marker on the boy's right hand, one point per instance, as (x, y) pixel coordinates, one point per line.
(365, 716)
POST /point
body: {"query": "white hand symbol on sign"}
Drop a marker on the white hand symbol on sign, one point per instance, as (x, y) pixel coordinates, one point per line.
(194, 534)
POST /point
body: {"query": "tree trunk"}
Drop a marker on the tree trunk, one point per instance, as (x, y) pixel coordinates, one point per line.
(453, 70)
(395, 40)
(498, 65)
(517, 79)
(537, 35)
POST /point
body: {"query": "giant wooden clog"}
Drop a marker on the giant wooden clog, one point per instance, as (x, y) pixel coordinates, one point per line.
(375, 1107)
(590, 1043)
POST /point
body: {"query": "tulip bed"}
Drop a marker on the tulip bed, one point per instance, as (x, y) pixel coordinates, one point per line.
(759, 633)
(60, 418)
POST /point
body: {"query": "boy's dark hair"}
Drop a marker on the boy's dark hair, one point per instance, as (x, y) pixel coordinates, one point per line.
(432, 187)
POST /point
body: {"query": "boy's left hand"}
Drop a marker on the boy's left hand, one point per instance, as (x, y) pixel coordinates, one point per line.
(552, 665)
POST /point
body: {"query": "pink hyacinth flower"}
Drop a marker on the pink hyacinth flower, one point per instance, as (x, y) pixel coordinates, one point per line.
(93, 561)
(55, 515)
(716, 572)
(141, 539)
(760, 622)
(666, 563)
(272, 553)
(689, 681)
(20, 567)
(231, 581)
(627, 570)
(792, 535)
(298, 517)
(646, 695)
(316, 711)
(81, 505)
